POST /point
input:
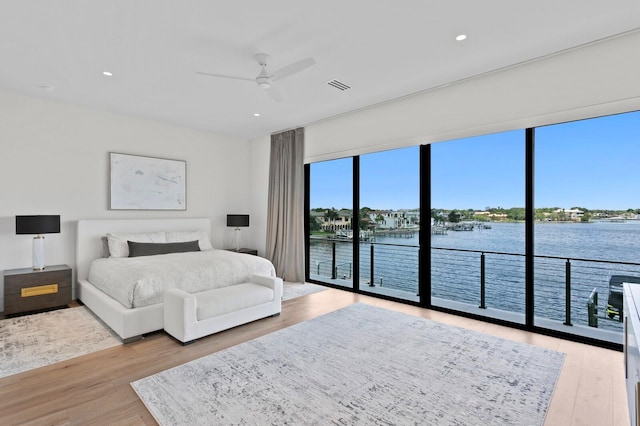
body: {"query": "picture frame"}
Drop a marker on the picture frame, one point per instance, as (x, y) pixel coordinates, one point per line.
(147, 183)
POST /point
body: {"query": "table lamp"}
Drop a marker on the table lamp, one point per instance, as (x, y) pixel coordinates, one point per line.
(237, 220)
(38, 225)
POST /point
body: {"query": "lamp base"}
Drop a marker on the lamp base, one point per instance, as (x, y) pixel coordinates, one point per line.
(38, 253)
(237, 240)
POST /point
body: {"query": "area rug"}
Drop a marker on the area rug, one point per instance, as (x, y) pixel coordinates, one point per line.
(294, 290)
(33, 341)
(360, 365)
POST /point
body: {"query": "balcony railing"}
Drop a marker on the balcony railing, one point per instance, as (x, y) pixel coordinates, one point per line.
(487, 280)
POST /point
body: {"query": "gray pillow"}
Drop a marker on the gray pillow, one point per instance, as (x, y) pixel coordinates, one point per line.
(105, 246)
(150, 249)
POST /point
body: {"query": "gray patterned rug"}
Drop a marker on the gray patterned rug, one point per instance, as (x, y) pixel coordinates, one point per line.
(293, 290)
(33, 341)
(360, 365)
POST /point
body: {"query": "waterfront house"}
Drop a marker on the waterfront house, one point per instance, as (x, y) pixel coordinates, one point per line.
(574, 215)
(392, 219)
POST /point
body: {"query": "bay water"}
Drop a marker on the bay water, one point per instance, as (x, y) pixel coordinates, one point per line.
(584, 254)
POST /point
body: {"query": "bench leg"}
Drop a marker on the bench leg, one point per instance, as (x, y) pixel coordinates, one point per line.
(132, 339)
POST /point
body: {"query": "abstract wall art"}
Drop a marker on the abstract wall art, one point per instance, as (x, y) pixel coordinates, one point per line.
(147, 183)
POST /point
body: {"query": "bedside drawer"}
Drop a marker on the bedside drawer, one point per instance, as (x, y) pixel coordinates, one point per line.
(28, 290)
(13, 284)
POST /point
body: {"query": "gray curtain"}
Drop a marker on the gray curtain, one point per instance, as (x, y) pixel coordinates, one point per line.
(285, 216)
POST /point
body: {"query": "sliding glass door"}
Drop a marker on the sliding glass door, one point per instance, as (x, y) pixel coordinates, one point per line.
(587, 232)
(390, 223)
(330, 222)
(477, 225)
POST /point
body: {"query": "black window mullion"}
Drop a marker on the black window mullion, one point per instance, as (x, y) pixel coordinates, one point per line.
(356, 223)
(424, 239)
(529, 227)
(307, 218)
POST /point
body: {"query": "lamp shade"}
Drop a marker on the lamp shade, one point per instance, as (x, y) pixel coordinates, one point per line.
(41, 224)
(238, 220)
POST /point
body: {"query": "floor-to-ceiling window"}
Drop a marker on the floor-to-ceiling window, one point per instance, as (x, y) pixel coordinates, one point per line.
(330, 222)
(390, 222)
(587, 232)
(537, 227)
(477, 225)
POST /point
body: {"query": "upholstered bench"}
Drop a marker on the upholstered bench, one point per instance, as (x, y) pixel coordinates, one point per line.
(190, 316)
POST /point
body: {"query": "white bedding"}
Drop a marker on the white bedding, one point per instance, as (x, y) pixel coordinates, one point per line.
(141, 281)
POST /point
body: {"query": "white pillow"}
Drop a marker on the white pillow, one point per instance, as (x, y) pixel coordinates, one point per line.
(118, 246)
(183, 236)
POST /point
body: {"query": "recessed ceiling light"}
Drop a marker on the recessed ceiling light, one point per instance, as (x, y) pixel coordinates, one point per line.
(107, 73)
(256, 114)
(461, 37)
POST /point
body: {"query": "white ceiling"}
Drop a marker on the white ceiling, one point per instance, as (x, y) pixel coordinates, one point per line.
(382, 49)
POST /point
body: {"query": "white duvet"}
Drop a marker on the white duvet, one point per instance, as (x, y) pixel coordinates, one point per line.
(141, 281)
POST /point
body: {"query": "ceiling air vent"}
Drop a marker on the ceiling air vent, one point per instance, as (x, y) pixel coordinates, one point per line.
(338, 85)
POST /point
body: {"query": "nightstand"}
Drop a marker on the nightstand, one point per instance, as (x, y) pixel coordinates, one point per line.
(245, 250)
(28, 290)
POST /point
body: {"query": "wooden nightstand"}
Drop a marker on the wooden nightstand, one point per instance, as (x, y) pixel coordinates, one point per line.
(27, 290)
(245, 250)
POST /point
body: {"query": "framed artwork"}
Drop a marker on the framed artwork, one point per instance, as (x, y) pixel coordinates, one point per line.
(147, 183)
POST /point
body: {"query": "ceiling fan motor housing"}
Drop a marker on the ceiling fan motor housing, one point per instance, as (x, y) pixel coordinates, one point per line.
(263, 81)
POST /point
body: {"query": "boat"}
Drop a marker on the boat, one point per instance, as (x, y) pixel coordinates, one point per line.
(614, 299)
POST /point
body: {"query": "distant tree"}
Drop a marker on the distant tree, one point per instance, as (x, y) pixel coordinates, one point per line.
(516, 213)
(481, 217)
(454, 216)
(331, 215)
(364, 218)
(540, 215)
(314, 224)
(437, 216)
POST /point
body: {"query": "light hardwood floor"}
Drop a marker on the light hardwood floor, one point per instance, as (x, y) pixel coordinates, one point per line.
(94, 389)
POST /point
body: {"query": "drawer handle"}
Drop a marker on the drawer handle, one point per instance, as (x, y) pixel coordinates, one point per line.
(39, 290)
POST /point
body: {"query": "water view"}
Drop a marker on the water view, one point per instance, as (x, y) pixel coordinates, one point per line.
(456, 265)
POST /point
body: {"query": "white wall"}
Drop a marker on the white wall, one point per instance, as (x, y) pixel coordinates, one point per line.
(260, 152)
(54, 159)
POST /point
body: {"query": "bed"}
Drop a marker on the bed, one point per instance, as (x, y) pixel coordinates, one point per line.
(131, 319)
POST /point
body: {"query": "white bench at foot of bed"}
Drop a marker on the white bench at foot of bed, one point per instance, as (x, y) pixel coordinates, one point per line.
(190, 316)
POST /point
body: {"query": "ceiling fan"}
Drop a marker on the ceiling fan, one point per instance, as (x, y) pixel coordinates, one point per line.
(266, 79)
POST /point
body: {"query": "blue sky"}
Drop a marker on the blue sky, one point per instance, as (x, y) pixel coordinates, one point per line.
(588, 163)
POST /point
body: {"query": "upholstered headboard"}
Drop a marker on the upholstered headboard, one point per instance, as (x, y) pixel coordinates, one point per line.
(89, 244)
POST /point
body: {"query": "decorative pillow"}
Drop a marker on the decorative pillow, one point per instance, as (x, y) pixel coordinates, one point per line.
(105, 246)
(151, 249)
(118, 246)
(182, 236)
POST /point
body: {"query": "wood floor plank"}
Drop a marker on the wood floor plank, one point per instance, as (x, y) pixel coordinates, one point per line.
(95, 388)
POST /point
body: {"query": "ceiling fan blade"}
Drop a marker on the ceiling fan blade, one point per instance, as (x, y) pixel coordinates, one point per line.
(293, 68)
(209, 74)
(274, 94)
